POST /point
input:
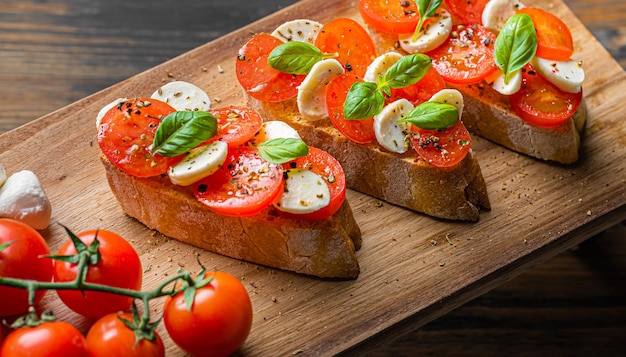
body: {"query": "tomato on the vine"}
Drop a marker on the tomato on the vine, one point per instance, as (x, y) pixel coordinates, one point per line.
(119, 266)
(21, 256)
(442, 148)
(109, 336)
(52, 339)
(554, 39)
(236, 124)
(396, 17)
(219, 321)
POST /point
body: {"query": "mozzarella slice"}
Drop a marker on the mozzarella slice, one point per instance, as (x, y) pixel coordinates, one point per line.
(431, 37)
(105, 109)
(201, 162)
(301, 30)
(514, 84)
(305, 192)
(3, 175)
(497, 12)
(311, 97)
(449, 96)
(22, 198)
(274, 129)
(566, 75)
(389, 133)
(183, 96)
(380, 65)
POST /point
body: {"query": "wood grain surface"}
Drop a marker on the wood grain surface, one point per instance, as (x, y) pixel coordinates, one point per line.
(53, 53)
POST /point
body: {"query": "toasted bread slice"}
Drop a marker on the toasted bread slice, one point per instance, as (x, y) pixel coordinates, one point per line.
(455, 193)
(325, 249)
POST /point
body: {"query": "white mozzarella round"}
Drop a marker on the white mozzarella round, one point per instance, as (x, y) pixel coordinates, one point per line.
(22, 198)
(498, 12)
(105, 109)
(380, 65)
(450, 96)
(311, 99)
(183, 96)
(301, 30)
(199, 163)
(305, 192)
(274, 129)
(514, 84)
(389, 133)
(566, 75)
(431, 37)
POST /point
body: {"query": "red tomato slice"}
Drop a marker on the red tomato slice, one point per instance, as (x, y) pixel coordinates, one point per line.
(257, 77)
(245, 185)
(325, 165)
(350, 41)
(360, 131)
(467, 11)
(466, 58)
(236, 124)
(391, 17)
(126, 134)
(554, 39)
(540, 103)
(421, 91)
(442, 148)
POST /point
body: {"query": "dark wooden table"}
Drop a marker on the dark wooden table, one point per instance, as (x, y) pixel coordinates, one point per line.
(53, 53)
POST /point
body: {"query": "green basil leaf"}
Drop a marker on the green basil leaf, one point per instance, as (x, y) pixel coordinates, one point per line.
(426, 9)
(281, 150)
(364, 100)
(515, 45)
(181, 131)
(294, 57)
(408, 70)
(432, 116)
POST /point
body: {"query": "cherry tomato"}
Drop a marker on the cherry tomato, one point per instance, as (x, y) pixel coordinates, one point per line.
(21, 258)
(353, 45)
(119, 266)
(51, 339)
(219, 321)
(109, 336)
(236, 125)
(126, 134)
(467, 11)
(554, 39)
(540, 103)
(442, 148)
(244, 185)
(397, 17)
(360, 131)
(466, 58)
(325, 165)
(257, 77)
(421, 91)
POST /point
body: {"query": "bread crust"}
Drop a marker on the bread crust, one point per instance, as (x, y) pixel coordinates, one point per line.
(325, 249)
(455, 193)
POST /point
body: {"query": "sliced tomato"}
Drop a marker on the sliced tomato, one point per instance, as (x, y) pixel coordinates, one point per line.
(466, 11)
(391, 17)
(245, 185)
(126, 133)
(540, 103)
(236, 124)
(353, 45)
(442, 148)
(554, 39)
(466, 58)
(325, 165)
(421, 91)
(360, 131)
(257, 77)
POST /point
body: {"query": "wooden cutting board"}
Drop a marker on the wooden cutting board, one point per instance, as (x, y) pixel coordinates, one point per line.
(414, 268)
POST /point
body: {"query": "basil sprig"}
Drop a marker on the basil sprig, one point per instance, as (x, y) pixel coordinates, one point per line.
(366, 99)
(296, 57)
(426, 10)
(181, 131)
(281, 150)
(515, 45)
(432, 116)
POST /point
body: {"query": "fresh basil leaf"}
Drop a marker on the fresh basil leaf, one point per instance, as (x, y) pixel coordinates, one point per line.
(181, 131)
(515, 45)
(364, 100)
(426, 9)
(281, 150)
(295, 57)
(408, 70)
(432, 116)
